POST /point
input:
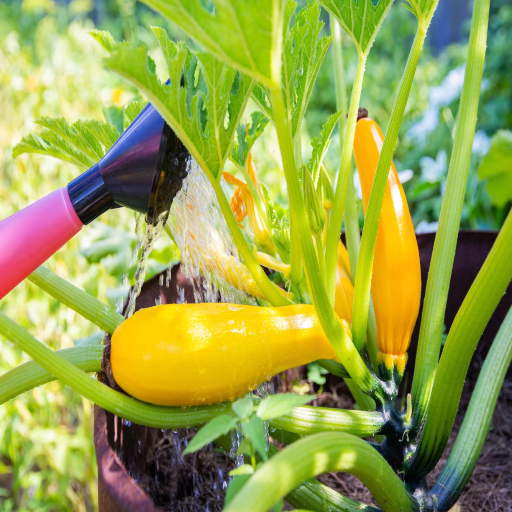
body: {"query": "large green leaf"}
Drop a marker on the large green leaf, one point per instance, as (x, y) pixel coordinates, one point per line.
(361, 19)
(496, 168)
(244, 34)
(202, 103)
(303, 55)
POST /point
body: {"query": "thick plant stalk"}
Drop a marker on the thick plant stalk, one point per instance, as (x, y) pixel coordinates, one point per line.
(105, 317)
(309, 420)
(67, 365)
(319, 498)
(471, 436)
(436, 294)
(352, 231)
(482, 299)
(318, 454)
(30, 375)
(333, 234)
(367, 251)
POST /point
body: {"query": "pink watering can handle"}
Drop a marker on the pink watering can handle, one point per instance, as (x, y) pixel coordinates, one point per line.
(28, 238)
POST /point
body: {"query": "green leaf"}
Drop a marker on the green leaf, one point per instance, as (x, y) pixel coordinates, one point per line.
(105, 132)
(82, 143)
(316, 373)
(55, 147)
(235, 486)
(203, 102)
(242, 408)
(244, 469)
(320, 146)
(245, 35)
(496, 168)
(245, 448)
(361, 20)
(219, 426)
(282, 404)
(104, 37)
(115, 116)
(303, 55)
(132, 110)
(246, 137)
(254, 430)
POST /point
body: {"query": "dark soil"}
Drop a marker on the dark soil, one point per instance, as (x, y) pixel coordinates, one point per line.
(195, 482)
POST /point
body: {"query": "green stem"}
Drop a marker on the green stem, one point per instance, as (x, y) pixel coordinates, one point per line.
(333, 367)
(308, 420)
(333, 235)
(318, 454)
(352, 230)
(105, 317)
(482, 299)
(319, 498)
(113, 401)
(436, 294)
(266, 286)
(30, 375)
(364, 402)
(341, 343)
(311, 494)
(371, 224)
(321, 256)
(472, 434)
(168, 230)
(296, 272)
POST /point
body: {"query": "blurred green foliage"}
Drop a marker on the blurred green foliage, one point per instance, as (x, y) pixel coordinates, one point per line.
(50, 66)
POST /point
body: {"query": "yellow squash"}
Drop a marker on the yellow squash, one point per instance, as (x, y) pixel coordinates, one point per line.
(344, 288)
(396, 281)
(193, 354)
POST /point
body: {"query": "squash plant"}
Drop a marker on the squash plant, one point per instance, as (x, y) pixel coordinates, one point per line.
(266, 50)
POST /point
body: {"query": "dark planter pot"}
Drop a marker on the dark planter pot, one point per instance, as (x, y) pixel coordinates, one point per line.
(118, 491)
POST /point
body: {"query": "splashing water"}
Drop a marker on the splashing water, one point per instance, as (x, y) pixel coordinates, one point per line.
(153, 233)
(208, 254)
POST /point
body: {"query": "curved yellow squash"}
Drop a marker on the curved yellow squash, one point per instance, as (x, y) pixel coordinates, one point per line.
(194, 354)
(396, 280)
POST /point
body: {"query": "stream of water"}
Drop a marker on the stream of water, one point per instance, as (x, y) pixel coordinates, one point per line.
(206, 249)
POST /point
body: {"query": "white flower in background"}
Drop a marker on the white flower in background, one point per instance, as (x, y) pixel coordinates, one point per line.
(439, 96)
(434, 170)
(426, 227)
(481, 143)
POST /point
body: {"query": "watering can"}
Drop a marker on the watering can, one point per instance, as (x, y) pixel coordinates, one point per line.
(146, 154)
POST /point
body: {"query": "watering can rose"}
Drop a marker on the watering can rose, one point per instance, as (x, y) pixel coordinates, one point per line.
(195, 354)
(396, 280)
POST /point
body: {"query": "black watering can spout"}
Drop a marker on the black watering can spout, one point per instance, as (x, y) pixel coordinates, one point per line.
(142, 171)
